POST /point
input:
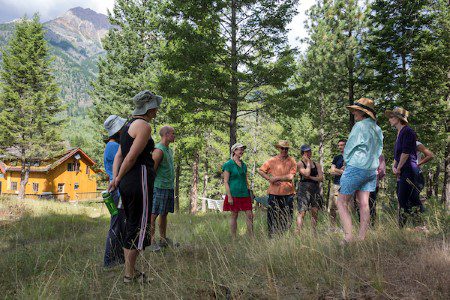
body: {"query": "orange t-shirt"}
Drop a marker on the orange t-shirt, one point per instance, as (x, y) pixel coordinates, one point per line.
(280, 167)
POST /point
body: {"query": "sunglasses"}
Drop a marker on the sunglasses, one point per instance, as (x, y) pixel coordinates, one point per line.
(284, 148)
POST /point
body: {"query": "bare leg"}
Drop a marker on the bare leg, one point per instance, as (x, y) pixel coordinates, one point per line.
(364, 213)
(314, 214)
(344, 215)
(152, 228)
(233, 223)
(249, 221)
(162, 226)
(300, 216)
(130, 261)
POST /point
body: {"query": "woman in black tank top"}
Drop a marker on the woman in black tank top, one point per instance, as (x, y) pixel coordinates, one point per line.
(134, 176)
(308, 193)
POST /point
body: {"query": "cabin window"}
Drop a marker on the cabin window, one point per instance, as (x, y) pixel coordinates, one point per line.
(73, 167)
(35, 187)
(88, 170)
(13, 186)
(76, 186)
(60, 187)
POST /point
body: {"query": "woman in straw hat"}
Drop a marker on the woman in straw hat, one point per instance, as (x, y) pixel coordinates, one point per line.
(236, 185)
(361, 157)
(114, 241)
(405, 165)
(134, 175)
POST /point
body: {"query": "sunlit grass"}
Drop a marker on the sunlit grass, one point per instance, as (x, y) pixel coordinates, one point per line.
(55, 250)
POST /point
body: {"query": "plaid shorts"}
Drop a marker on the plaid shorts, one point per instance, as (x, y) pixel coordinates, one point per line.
(163, 201)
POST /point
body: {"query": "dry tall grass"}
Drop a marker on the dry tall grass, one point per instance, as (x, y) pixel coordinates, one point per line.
(55, 250)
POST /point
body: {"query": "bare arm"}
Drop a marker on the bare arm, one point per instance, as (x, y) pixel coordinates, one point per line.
(264, 175)
(117, 162)
(428, 155)
(304, 171)
(403, 158)
(143, 133)
(335, 171)
(226, 178)
(157, 156)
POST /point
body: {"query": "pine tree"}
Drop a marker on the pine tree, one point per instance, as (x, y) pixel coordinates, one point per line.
(394, 36)
(29, 102)
(220, 53)
(130, 63)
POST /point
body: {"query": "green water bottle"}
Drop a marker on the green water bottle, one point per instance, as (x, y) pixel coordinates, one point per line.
(109, 202)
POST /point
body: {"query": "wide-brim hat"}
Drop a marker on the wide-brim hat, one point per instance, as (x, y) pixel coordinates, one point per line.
(366, 105)
(282, 144)
(144, 101)
(398, 112)
(236, 146)
(113, 124)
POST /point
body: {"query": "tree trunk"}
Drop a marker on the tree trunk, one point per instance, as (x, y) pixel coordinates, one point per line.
(24, 176)
(193, 195)
(351, 85)
(322, 135)
(446, 189)
(205, 185)
(234, 89)
(429, 184)
(436, 181)
(177, 187)
(255, 150)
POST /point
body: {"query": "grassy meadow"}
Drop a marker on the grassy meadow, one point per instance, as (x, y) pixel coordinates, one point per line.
(53, 250)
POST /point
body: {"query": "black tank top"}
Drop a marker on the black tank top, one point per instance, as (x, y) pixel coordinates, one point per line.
(313, 173)
(145, 157)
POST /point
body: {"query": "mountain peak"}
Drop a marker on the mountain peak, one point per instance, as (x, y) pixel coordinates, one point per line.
(100, 21)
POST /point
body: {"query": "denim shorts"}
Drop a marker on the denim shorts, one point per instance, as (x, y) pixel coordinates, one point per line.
(356, 179)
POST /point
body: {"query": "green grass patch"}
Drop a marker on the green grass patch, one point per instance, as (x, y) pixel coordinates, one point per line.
(55, 250)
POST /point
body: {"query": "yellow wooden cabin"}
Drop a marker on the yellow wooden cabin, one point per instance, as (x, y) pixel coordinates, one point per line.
(71, 176)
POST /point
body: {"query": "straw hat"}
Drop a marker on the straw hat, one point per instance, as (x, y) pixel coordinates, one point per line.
(144, 101)
(366, 105)
(282, 144)
(398, 112)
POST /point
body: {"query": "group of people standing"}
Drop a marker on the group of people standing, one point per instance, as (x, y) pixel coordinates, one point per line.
(141, 178)
(357, 172)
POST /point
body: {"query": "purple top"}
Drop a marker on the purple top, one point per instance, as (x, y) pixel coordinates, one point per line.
(406, 143)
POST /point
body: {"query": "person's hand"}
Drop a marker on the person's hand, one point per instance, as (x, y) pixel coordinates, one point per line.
(394, 170)
(230, 200)
(113, 184)
(306, 158)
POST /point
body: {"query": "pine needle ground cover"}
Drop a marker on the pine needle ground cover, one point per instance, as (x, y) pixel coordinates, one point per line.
(54, 250)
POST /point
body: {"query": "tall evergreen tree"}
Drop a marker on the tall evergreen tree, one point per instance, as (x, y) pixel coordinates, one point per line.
(223, 51)
(29, 103)
(130, 63)
(394, 36)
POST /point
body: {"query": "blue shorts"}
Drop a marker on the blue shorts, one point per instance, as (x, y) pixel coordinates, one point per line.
(163, 201)
(356, 179)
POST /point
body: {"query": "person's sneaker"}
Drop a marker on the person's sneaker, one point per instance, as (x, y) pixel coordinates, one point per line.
(154, 247)
(163, 243)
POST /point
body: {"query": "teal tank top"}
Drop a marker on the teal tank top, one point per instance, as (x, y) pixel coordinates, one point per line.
(165, 174)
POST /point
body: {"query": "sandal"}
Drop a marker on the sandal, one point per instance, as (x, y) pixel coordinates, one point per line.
(137, 277)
